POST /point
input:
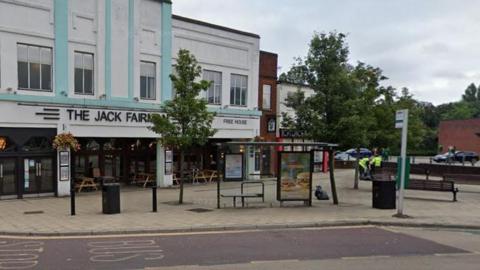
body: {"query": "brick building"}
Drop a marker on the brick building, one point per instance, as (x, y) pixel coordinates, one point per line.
(463, 134)
(267, 102)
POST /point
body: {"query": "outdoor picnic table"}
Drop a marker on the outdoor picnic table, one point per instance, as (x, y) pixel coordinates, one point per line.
(206, 175)
(86, 182)
(144, 178)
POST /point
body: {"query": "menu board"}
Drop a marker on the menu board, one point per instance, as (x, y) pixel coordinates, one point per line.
(64, 158)
(294, 181)
(168, 162)
(233, 168)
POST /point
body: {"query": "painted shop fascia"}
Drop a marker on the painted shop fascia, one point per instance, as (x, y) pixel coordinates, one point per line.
(118, 36)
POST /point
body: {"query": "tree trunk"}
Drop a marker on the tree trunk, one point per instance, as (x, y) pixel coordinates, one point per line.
(180, 198)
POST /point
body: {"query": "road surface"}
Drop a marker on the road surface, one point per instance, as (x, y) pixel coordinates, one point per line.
(333, 248)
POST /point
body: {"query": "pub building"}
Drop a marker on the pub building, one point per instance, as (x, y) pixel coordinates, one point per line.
(98, 70)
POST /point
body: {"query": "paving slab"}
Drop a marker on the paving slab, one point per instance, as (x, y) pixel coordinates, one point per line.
(51, 216)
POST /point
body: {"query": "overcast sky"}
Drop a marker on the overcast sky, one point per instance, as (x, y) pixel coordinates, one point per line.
(429, 46)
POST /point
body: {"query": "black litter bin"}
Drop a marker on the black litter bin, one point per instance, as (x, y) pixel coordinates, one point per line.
(111, 198)
(383, 194)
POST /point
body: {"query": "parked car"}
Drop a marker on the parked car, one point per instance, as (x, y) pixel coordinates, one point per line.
(343, 156)
(458, 156)
(364, 152)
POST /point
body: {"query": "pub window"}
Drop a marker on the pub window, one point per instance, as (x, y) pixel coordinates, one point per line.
(257, 161)
(83, 73)
(7, 145)
(34, 67)
(147, 80)
(214, 92)
(238, 90)
(112, 144)
(37, 144)
(267, 97)
(92, 145)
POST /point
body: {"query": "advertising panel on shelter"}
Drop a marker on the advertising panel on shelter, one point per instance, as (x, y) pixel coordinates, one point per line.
(233, 169)
(295, 176)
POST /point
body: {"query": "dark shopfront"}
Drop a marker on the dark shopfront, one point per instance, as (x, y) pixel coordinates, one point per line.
(120, 158)
(27, 162)
(124, 158)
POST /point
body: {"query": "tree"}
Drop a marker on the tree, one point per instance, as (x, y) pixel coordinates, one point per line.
(472, 94)
(340, 110)
(461, 110)
(185, 121)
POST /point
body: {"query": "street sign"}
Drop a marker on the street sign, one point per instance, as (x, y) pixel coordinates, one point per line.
(399, 119)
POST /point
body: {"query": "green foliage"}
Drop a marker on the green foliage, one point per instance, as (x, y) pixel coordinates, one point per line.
(461, 110)
(185, 120)
(472, 94)
(349, 105)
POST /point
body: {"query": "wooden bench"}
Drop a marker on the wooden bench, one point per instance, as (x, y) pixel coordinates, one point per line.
(432, 185)
(466, 179)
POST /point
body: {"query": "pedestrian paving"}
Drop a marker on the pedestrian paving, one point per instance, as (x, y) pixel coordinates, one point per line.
(51, 216)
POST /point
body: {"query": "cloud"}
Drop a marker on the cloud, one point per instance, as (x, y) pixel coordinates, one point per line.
(429, 46)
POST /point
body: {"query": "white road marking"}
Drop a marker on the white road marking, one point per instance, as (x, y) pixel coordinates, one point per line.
(366, 257)
(220, 231)
(275, 261)
(119, 251)
(20, 255)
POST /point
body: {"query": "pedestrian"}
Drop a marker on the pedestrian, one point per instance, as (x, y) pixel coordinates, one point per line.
(364, 164)
(375, 164)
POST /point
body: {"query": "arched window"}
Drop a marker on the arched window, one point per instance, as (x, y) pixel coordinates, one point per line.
(112, 144)
(37, 143)
(92, 145)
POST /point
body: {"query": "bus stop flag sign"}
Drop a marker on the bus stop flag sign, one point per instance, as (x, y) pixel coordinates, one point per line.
(399, 119)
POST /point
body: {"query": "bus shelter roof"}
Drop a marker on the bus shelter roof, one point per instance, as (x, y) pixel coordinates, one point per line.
(312, 144)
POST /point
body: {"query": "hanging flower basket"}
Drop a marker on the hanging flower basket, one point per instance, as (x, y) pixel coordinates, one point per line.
(65, 141)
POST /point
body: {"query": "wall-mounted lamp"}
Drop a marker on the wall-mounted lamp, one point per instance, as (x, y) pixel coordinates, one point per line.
(102, 96)
(135, 99)
(63, 93)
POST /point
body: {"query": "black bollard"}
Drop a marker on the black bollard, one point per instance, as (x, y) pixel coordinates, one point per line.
(72, 201)
(154, 198)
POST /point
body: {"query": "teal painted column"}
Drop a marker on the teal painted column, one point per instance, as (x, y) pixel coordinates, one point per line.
(166, 43)
(108, 49)
(61, 46)
(131, 39)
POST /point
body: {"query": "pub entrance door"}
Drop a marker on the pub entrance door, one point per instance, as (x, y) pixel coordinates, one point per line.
(8, 177)
(38, 175)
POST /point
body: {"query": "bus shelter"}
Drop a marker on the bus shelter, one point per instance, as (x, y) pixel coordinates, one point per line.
(294, 169)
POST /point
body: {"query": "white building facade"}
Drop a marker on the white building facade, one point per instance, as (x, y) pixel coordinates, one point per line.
(97, 69)
(284, 89)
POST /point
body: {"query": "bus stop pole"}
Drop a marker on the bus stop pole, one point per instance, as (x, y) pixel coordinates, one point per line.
(403, 153)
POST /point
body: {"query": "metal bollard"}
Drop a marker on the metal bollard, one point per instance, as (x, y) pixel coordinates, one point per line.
(154, 198)
(72, 201)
